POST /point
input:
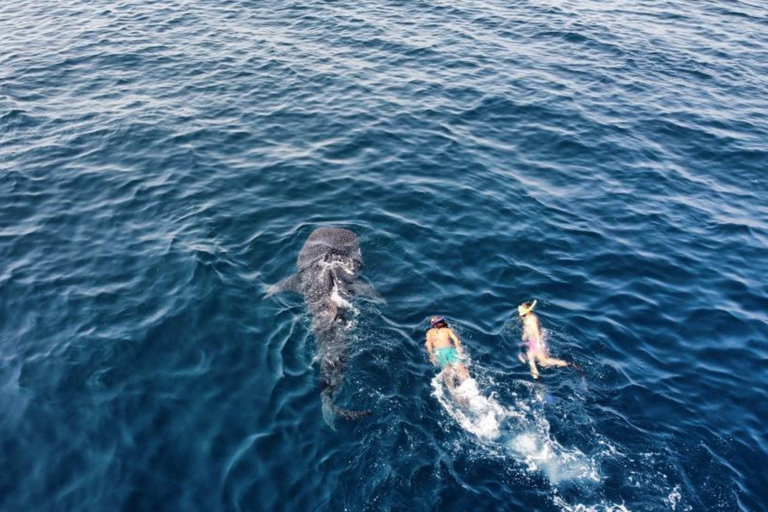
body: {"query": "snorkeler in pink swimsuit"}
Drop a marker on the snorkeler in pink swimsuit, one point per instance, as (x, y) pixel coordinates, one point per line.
(537, 350)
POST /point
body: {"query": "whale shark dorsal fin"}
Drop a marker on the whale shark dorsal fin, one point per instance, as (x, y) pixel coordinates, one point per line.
(366, 289)
(289, 284)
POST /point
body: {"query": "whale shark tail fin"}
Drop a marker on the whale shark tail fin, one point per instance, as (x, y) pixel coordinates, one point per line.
(328, 415)
(331, 410)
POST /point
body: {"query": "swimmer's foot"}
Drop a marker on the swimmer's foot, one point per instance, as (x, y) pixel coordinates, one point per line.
(521, 357)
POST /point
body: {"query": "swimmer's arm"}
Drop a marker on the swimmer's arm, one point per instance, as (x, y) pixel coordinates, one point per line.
(456, 342)
(536, 329)
(428, 344)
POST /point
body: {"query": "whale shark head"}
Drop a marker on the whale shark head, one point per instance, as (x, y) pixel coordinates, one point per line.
(332, 245)
(329, 263)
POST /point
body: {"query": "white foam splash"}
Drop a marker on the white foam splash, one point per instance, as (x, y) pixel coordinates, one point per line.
(579, 507)
(527, 437)
(544, 454)
(336, 297)
(674, 498)
(522, 431)
(480, 415)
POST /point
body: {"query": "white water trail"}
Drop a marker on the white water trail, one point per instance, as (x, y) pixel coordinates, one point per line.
(522, 432)
(480, 415)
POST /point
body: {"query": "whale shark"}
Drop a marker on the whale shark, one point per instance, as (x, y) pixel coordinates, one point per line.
(327, 276)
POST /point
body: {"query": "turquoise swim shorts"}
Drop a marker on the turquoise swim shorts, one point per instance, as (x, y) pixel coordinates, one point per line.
(447, 356)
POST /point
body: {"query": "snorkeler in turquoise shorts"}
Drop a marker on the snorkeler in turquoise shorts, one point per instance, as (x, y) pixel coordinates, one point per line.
(444, 349)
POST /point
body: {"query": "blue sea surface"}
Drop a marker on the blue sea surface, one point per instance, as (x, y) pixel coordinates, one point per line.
(162, 163)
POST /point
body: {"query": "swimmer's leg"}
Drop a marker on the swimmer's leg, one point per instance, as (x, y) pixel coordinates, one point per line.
(532, 363)
(547, 361)
(448, 379)
(461, 371)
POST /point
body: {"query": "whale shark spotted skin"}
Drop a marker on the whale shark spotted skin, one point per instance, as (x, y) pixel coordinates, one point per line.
(328, 274)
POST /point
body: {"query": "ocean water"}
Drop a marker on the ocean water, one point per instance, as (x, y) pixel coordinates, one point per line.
(162, 163)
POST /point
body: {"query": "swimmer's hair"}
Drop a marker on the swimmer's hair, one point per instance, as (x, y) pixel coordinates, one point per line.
(437, 321)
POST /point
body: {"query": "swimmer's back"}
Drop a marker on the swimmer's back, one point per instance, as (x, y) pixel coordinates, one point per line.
(439, 337)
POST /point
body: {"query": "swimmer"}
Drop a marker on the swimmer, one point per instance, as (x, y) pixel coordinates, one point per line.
(444, 349)
(537, 349)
